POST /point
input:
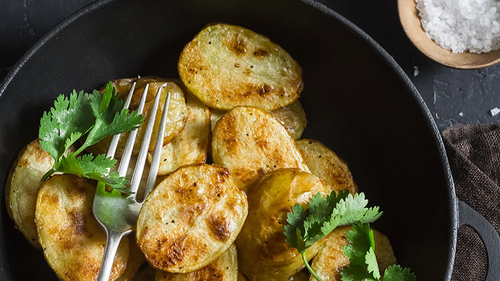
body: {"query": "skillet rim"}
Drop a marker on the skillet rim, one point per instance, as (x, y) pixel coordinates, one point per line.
(431, 124)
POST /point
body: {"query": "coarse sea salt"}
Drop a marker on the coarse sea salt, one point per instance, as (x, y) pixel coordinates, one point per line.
(462, 25)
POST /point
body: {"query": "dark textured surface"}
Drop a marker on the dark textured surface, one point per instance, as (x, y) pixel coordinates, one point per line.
(453, 96)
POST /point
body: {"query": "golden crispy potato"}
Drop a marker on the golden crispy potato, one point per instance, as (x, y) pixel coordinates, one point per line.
(224, 268)
(227, 66)
(191, 145)
(176, 117)
(325, 164)
(250, 142)
(293, 118)
(72, 240)
(191, 218)
(215, 115)
(135, 261)
(331, 258)
(262, 250)
(22, 187)
(122, 86)
(383, 251)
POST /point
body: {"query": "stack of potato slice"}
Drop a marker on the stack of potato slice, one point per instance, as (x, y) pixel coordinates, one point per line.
(233, 165)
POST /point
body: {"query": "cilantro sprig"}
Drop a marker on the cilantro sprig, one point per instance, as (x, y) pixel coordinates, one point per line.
(95, 116)
(364, 266)
(307, 226)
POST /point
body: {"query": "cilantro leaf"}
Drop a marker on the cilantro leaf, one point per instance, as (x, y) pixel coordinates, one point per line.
(68, 119)
(364, 265)
(95, 115)
(295, 228)
(371, 263)
(396, 273)
(348, 209)
(307, 226)
(360, 240)
(356, 273)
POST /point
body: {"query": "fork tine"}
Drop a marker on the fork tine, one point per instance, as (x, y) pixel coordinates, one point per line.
(155, 162)
(118, 215)
(143, 152)
(114, 141)
(129, 146)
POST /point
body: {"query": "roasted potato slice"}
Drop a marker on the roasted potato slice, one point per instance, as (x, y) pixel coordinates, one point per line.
(292, 117)
(176, 117)
(224, 268)
(227, 66)
(191, 144)
(331, 258)
(262, 250)
(325, 164)
(383, 251)
(135, 261)
(215, 115)
(72, 240)
(191, 218)
(22, 187)
(250, 142)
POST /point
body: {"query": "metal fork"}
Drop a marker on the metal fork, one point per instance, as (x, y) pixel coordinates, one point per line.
(116, 214)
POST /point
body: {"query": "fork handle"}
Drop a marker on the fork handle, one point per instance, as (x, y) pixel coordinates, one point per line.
(112, 241)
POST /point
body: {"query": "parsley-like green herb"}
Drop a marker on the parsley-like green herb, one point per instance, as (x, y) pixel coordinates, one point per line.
(364, 266)
(307, 226)
(92, 115)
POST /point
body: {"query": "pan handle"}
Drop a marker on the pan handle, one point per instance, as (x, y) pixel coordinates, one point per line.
(491, 239)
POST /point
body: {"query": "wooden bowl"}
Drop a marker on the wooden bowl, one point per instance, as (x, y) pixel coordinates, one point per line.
(408, 15)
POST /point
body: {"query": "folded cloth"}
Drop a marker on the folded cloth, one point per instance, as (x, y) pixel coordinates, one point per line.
(474, 156)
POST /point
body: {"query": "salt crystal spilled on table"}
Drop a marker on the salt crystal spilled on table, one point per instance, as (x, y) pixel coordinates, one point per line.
(462, 25)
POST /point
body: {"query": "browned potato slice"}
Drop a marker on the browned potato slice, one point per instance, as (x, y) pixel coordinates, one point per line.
(383, 251)
(215, 115)
(123, 85)
(262, 250)
(331, 258)
(176, 117)
(191, 218)
(22, 187)
(227, 66)
(325, 164)
(250, 142)
(72, 240)
(135, 261)
(191, 144)
(224, 268)
(292, 117)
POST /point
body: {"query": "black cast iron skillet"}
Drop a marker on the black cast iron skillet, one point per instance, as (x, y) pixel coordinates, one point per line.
(358, 102)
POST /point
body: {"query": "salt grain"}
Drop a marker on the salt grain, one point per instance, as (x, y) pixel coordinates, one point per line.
(495, 111)
(462, 25)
